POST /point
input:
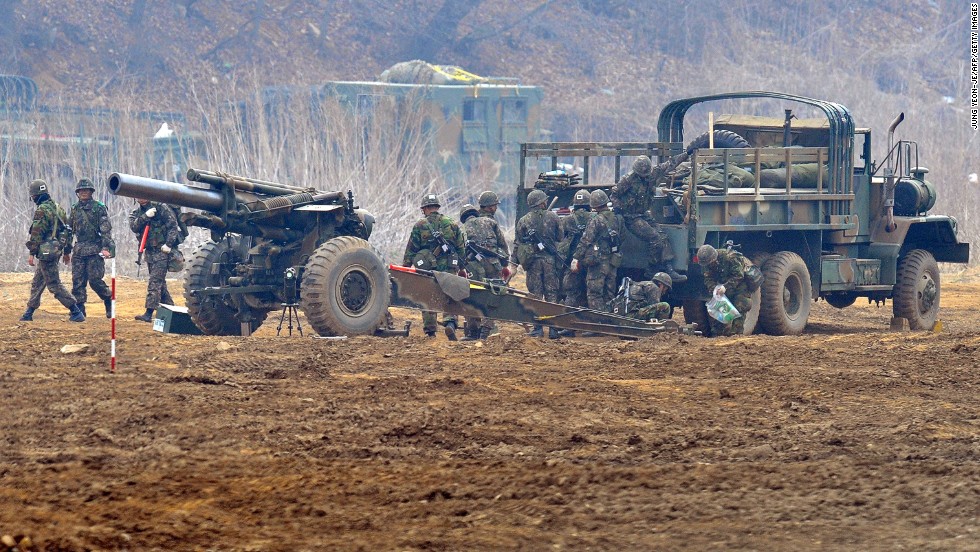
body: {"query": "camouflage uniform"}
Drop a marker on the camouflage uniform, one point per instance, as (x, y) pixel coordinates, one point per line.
(163, 231)
(632, 197)
(89, 221)
(729, 271)
(595, 253)
(484, 231)
(425, 251)
(573, 283)
(49, 220)
(540, 266)
(645, 303)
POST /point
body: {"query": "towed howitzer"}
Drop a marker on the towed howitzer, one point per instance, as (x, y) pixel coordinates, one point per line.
(258, 231)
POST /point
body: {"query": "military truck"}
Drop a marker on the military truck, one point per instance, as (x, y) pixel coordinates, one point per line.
(801, 198)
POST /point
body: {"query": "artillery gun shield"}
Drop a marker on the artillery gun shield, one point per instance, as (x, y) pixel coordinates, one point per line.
(345, 288)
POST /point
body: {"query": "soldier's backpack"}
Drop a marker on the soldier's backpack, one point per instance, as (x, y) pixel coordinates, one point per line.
(51, 249)
(182, 231)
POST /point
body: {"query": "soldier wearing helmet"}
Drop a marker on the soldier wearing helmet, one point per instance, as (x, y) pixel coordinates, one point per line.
(486, 255)
(89, 220)
(435, 243)
(50, 239)
(536, 240)
(598, 252)
(644, 300)
(632, 197)
(727, 268)
(162, 239)
(572, 227)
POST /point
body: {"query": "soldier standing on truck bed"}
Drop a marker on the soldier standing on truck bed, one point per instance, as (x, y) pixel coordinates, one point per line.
(727, 268)
(436, 243)
(535, 239)
(632, 197)
(50, 239)
(89, 221)
(598, 252)
(163, 237)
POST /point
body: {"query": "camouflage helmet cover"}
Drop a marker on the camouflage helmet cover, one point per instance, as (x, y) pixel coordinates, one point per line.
(467, 211)
(536, 197)
(663, 278)
(581, 198)
(37, 187)
(430, 200)
(707, 254)
(642, 165)
(598, 199)
(488, 198)
(84, 184)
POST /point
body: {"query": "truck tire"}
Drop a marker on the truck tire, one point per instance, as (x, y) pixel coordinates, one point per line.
(917, 287)
(211, 313)
(723, 139)
(786, 295)
(345, 288)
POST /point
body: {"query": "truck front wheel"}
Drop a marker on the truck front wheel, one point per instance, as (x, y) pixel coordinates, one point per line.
(916, 294)
(786, 294)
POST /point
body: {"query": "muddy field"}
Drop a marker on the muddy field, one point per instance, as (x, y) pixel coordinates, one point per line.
(847, 438)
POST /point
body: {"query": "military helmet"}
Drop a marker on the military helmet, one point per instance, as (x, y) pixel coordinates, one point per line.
(468, 210)
(642, 165)
(707, 254)
(536, 197)
(37, 187)
(663, 278)
(598, 199)
(84, 184)
(487, 199)
(581, 199)
(430, 200)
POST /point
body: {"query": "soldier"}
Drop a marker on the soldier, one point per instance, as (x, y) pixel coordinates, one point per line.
(50, 238)
(573, 226)
(535, 249)
(598, 252)
(163, 237)
(727, 268)
(645, 299)
(632, 198)
(436, 243)
(89, 221)
(485, 247)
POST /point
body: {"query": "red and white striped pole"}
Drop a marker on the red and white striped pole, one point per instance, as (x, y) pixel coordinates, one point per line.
(112, 362)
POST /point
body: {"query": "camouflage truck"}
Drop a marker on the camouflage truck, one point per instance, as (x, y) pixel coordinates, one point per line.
(801, 198)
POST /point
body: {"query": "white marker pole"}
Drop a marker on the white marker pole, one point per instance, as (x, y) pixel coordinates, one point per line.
(112, 362)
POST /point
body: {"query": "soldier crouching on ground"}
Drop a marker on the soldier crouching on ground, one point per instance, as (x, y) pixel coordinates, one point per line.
(727, 268)
(50, 239)
(89, 221)
(163, 237)
(436, 243)
(535, 249)
(644, 300)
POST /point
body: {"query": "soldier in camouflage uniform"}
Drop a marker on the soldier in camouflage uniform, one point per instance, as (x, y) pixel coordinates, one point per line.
(573, 293)
(535, 248)
(646, 298)
(50, 237)
(632, 197)
(160, 242)
(598, 252)
(727, 268)
(483, 233)
(436, 243)
(89, 221)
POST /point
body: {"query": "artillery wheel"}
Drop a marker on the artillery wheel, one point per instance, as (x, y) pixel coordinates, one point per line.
(916, 294)
(786, 294)
(345, 288)
(213, 314)
(723, 139)
(841, 300)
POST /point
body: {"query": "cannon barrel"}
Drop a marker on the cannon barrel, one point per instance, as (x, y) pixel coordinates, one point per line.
(243, 183)
(128, 185)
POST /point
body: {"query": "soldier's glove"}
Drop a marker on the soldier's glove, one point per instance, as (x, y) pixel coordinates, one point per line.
(151, 212)
(574, 266)
(462, 272)
(505, 273)
(165, 248)
(105, 254)
(719, 290)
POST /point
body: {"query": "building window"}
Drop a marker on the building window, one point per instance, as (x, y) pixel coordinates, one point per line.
(474, 111)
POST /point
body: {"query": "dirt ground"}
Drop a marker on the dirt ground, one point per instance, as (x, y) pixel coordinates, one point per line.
(849, 437)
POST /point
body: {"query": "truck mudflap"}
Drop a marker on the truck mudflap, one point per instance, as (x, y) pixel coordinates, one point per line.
(444, 292)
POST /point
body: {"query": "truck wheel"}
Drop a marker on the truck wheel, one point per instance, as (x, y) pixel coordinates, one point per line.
(840, 300)
(696, 313)
(723, 139)
(786, 291)
(212, 314)
(916, 294)
(345, 288)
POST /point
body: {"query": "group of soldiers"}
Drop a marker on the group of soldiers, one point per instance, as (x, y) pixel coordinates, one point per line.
(83, 239)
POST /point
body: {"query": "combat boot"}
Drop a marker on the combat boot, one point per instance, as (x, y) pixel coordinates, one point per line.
(470, 333)
(28, 315)
(76, 314)
(553, 332)
(108, 307)
(538, 331)
(81, 307)
(430, 335)
(146, 316)
(675, 277)
(451, 330)
(484, 333)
